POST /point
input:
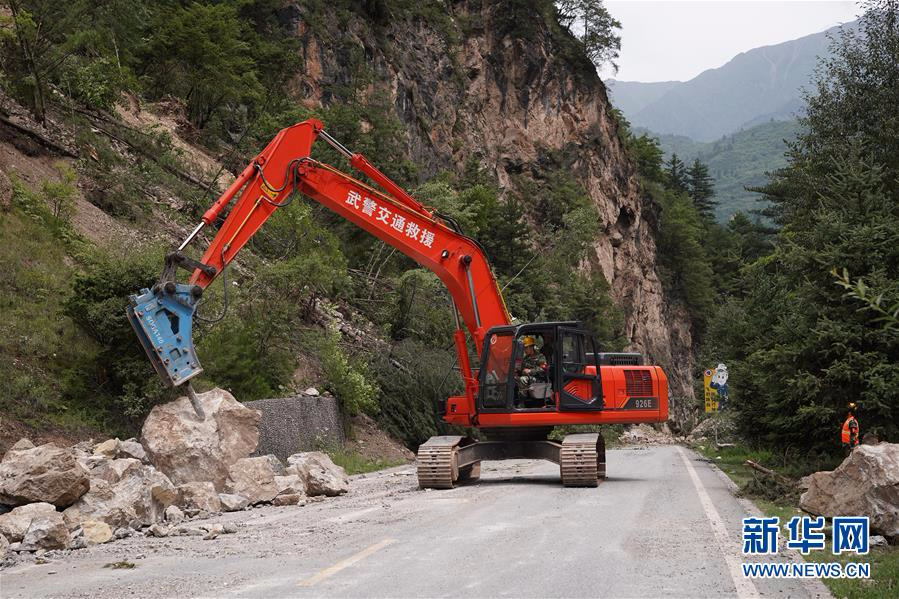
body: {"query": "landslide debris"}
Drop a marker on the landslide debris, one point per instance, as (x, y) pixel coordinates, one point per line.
(182, 470)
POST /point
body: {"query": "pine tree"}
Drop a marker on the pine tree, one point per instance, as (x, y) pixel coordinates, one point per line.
(676, 174)
(595, 27)
(701, 188)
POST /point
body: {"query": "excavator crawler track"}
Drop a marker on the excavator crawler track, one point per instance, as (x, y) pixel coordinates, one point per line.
(582, 460)
(437, 462)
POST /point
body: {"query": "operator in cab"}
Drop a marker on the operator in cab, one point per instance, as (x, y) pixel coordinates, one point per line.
(533, 364)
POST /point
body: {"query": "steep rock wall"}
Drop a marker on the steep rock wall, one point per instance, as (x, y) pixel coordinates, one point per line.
(503, 92)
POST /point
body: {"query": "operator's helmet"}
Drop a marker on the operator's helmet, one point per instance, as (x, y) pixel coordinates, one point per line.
(528, 341)
(851, 406)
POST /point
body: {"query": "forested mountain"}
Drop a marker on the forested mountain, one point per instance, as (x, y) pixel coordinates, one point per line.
(489, 111)
(754, 87)
(737, 161)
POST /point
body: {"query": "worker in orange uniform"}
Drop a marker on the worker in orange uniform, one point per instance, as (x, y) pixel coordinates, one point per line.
(849, 433)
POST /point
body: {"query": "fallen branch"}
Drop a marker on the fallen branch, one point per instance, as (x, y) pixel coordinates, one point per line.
(771, 473)
(41, 139)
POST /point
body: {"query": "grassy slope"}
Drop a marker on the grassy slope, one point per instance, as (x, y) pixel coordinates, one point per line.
(884, 581)
(41, 351)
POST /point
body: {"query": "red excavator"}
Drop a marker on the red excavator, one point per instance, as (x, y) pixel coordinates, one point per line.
(512, 395)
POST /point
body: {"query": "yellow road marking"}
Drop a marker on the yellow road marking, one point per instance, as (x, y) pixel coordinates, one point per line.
(332, 570)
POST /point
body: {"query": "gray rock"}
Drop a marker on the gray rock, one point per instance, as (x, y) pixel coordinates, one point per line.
(136, 500)
(14, 524)
(132, 449)
(281, 500)
(229, 529)
(320, 475)
(46, 473)
(233, 503)
(158, 530)
(123, 532)
(21, 444)
(46, 532)
(4, 546)
(311, 391)
(187, 449)
(214, 532)
(865, 484)
(173, 515)
(254, 478)
(199, 497)
(290, 484)
(112, 470)
(877, 541)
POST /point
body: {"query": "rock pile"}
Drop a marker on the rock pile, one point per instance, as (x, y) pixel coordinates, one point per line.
(644, 434)
(181, 469)
(865, 484)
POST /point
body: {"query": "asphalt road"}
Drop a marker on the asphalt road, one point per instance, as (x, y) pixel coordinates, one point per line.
(664, 524)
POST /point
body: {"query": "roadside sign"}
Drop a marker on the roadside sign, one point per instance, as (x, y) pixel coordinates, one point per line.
(709, 395)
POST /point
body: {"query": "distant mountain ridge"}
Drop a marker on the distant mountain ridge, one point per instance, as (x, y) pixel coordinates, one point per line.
(754, 87)
(736, 161)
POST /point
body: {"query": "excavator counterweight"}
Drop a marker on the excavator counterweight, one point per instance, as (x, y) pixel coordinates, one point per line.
(515, 393)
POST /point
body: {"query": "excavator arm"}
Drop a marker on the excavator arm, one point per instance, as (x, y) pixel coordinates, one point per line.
(163, 316)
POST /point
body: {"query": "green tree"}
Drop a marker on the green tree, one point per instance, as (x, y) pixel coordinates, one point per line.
(595, 27)
(800, 347)
(198, 53)
(701, 188)
(676, 175)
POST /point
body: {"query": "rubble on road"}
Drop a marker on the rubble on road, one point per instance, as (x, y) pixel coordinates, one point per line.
(141, 496)
(14, 524)
(322, 476)
(199, 497)
(233, 503)
(187, 449)
(644, 434)
(46, 532)
(713, 429)
(865, 484)
(95, 493)
(46, 473)
(254, 478)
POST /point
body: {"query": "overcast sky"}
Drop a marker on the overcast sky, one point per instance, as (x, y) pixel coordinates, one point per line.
(677, 40)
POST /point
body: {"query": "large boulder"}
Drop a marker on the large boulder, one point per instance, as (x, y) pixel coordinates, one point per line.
(254, 478)
(140, 497)
(46, 473)
(319, 473)
(233, 503)
(187, 449)
(865, 484)
(199, 497)
(14, 524)
(46, 532)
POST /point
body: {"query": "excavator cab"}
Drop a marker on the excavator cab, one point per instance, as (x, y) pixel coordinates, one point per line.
(570, 381)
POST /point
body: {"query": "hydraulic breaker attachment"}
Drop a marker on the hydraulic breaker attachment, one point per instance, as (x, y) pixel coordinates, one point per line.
(163, 321)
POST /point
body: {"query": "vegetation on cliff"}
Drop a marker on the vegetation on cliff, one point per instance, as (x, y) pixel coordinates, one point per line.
(226, 67)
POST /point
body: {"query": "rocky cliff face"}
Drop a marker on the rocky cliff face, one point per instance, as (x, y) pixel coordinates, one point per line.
(495, 84)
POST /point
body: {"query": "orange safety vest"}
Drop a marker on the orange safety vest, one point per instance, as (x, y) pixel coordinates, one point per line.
(845, 434)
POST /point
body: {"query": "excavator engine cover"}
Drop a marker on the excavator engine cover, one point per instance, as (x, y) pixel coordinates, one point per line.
(163, 320)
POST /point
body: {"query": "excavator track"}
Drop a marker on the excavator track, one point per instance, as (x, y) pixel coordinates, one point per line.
(582, 460)
(437, 463)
